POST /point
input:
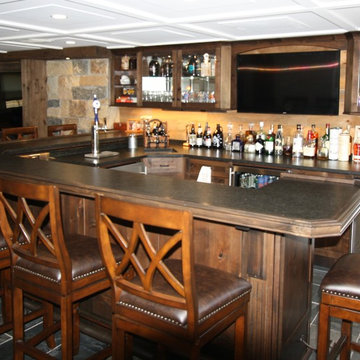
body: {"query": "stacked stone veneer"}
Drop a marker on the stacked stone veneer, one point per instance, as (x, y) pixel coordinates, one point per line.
(71, 85)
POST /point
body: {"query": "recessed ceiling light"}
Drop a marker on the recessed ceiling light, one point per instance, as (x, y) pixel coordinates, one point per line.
(70, 42)
(59, 16)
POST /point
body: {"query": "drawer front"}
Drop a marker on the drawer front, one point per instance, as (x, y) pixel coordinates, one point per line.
(160, 165)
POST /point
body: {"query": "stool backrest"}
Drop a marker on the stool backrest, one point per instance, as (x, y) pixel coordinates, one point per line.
(19, 133)
(64, 129)
(148, 236)
(31, 223)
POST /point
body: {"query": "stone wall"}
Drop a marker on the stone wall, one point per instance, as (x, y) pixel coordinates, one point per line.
(71, 85)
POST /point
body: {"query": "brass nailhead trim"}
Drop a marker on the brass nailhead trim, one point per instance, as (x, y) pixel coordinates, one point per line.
(131, 306)
(356, 297)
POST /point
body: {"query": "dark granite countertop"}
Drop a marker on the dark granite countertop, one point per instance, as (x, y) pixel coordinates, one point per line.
(302, 208)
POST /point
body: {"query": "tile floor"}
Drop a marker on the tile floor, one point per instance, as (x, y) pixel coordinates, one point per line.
(89, 346)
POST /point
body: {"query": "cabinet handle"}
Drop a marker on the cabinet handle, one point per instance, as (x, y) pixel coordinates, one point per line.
(231, 173)
(242, 228)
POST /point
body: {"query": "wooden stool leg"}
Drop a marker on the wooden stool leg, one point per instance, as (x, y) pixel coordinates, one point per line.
(119, 343)
(18, 327)
(323, 333)
(346, 330)
(48, 321)
(239, 338)
(6, 303)
(76, 329)
(66, 328)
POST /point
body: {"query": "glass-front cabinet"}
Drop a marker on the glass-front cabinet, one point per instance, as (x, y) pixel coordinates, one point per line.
(196, 77)
(157, 87)
(125, 78)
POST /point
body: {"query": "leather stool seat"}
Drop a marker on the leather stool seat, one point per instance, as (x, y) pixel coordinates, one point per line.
(84, 255)
(343, 279)
(340, 298)
(215, 290)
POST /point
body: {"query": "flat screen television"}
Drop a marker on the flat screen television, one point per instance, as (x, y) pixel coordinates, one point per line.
(289, 83)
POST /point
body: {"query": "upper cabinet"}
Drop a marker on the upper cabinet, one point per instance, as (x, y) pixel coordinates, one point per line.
(188, 78)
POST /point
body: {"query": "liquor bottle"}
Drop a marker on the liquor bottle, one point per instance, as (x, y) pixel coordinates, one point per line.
(205, 66)
(250, 135)
(298, 142)
(218, 137)
(260, 140)
(315, 135)
(269, 143)
(228, 139)
(344, 145)
(309, 148)
(154, 67)
(279, 141)
(356, 147)
(199, 137)
(166, 66)
(192, 66)
(334, 143)
(207, 138)
(192, 136)
(237, 144)
(323, 145)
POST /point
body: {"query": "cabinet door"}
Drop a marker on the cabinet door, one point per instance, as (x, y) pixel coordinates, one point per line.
(124, 79)
(219, 170)
(157, 78)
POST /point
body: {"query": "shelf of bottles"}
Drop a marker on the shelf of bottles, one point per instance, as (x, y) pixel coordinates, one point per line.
(125, 80)
(198, 78)
(157, 79)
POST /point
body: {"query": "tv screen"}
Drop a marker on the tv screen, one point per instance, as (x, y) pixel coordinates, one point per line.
(289, 83)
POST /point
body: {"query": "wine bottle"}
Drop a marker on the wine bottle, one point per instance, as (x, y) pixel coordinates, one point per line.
(260, 140)
(298, 142)
(218, 137)
(154, 67)
(199, 137)
(279, 141)
(269, 143)
(208, 141)
(192, 136)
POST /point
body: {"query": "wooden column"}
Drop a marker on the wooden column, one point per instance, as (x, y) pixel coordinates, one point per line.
(352, 73)
(34, 94)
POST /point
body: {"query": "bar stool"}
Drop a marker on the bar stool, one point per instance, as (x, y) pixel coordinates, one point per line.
(340, 298)
(19, 133)
(59, 270)
(6, 289)
(64, 129)
(169, 299)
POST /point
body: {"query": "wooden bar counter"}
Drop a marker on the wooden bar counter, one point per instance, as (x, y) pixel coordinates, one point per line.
(266, 235)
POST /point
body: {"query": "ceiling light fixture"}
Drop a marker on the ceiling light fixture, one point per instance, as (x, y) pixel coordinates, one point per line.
(70, 42)
(59, 16)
